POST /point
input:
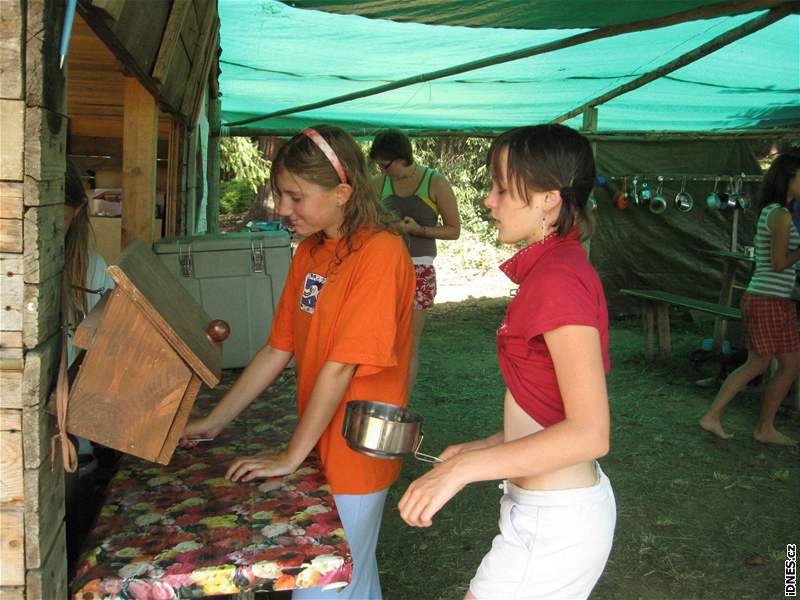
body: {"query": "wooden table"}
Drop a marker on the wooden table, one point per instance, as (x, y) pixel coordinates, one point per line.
(184, 531)
(731, 262)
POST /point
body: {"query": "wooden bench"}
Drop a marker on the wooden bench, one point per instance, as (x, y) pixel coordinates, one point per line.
(656, 313)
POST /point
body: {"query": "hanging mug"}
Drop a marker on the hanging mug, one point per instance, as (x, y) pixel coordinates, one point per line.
(647, 193)
(621, 197)
(635, 194)
(744, 201)
(733, 194)
(713, 200)
(683, 199)
(658, 204)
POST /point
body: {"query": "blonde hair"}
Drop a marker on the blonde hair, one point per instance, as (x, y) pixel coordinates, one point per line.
(76, 246)
(302, 157)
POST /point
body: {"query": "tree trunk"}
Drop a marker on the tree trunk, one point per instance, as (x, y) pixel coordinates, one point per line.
(263, 207)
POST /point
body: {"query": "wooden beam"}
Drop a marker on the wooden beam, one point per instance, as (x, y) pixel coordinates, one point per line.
(12, 547)
(703, 12)
(12, 126)
(701, 51)
(198, 76)
(171, 38)
(139, 141)
(111, 9)
(11, 45)
(172, 201)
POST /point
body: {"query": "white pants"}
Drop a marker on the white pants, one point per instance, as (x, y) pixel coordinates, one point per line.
(361, 519)
(552, 545)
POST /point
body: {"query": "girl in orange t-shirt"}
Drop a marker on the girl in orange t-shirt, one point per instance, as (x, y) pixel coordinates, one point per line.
(345, 315)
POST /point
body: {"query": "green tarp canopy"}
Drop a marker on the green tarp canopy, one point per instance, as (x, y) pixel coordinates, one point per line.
(278, 57)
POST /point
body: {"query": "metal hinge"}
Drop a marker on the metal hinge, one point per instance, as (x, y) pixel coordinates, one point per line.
(257, 256)
(185, 260)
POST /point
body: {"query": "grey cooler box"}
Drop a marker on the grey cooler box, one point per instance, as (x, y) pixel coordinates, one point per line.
(237, 277)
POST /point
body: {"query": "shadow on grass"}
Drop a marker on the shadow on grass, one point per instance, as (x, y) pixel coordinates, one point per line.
(698, 517)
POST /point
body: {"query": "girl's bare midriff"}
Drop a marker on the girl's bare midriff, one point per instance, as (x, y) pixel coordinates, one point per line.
(518, 424)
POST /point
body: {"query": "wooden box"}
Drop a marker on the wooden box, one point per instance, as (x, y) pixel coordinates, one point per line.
(147, 354)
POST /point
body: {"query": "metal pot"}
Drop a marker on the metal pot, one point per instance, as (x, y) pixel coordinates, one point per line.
(383, 430)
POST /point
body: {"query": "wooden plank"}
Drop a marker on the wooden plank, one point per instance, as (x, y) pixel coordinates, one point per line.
(171, 40)
(173, 195)
(174, 86)
(11, 292)
(38, 376)
(11, 350)
(142, 36)
(87, 329)
(45, 144)
(42, 315)
(139, 163)
(111, 9)
(50, 581)
(204, 87)
(43, 193)
(44, 246)
(11, 388)
(199, 74)
(213, 167)
(10, 200)
(10, 419)
(44, 509)
(38, 427)
(12, 593)
(11, 495)
(11, 44)
(11, 235)
(133, 378)
(12, 547)
(181, 418)
(176, 315)
(45, 85)
(12, 124)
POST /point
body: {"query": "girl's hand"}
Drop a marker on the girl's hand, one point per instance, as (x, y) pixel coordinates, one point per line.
(196, 430)
(411, 227)
(455, 449)
(428, 494)
(248, 468)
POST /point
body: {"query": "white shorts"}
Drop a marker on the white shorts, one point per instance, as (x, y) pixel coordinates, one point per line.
(552, 544)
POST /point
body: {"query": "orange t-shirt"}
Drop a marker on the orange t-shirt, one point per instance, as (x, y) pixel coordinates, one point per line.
(357, 312)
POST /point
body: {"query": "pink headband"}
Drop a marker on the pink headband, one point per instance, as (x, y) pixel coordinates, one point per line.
(323, 145)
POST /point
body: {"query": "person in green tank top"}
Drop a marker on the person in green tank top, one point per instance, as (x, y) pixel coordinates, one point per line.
(769, 314)
(419, 197)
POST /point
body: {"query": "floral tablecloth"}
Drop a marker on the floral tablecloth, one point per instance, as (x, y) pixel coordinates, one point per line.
(184, 531)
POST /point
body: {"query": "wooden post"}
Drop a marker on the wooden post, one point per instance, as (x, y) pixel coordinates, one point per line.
(664, 339)
(648, 314)
(172, 204)
(725, 297)
(212, 206)
(139, 153)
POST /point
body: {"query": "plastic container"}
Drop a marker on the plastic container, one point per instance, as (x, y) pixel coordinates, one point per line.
(237, 277)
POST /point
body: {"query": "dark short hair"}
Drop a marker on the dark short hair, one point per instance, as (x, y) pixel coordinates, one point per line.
(548, 157)
(392, 144)
(775, 185)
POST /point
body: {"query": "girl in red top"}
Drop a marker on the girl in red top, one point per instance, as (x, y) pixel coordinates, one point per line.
(345, 315)
(557, 514)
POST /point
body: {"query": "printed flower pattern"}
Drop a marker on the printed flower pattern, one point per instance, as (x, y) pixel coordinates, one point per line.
(184, 531)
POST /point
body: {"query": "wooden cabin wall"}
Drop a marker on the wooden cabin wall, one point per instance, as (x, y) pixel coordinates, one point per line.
(173, 54)
(32, 105)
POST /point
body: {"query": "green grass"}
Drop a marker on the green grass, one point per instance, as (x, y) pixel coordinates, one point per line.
(696, 516)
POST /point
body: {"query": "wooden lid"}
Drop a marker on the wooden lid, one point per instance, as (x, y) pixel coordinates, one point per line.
(173, 311)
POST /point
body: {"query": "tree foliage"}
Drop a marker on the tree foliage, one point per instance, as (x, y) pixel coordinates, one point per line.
(241, 160)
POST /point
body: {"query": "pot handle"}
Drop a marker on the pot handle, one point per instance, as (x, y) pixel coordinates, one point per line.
(424, 457)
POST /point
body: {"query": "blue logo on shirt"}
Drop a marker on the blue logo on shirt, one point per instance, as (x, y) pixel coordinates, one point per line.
(311, 290)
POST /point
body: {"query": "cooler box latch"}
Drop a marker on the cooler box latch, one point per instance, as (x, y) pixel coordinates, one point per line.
(257, 256)
(185, 260)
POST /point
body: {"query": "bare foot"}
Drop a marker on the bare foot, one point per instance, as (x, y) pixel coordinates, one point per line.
(713, 425)
(773, 437)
